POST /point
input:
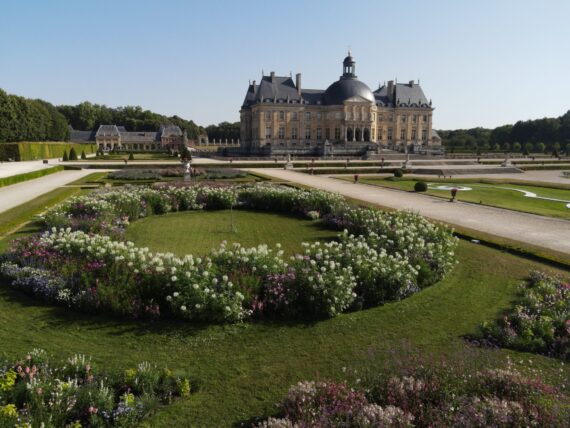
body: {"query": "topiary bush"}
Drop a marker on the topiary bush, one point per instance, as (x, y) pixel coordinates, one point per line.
(83, 156)
(421, 186)
(398, 173)
(65, 158)
(131, 156)
(72, 154)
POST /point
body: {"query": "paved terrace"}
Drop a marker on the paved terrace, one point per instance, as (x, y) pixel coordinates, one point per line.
(528, 228)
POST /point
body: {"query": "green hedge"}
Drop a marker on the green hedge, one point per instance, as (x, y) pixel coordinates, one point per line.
(32, 151)
(6, 181)
(35, 151)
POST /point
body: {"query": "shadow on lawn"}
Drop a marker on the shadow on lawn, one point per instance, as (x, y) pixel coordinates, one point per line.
(58, 317)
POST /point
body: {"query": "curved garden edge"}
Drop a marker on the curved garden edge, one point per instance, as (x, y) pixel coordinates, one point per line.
(82, 262)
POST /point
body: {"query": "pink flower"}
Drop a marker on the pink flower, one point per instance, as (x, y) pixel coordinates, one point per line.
(93, 410)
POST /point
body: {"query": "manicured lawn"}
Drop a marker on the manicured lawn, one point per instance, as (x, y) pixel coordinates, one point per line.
(198, 232)
(16, 216)
(495, 195)
(242, 370)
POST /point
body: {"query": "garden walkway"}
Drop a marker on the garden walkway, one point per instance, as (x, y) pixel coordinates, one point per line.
(532, 229)
(20, 193)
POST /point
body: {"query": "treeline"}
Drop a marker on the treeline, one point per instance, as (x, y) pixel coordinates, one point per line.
(223, 130)
(540, 135)
(23, 119)
(87, 116)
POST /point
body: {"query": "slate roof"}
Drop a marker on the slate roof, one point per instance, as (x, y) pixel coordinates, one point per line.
(405, 95)
(139, 137)
(169, 130)
(107, 130)
(81, 136)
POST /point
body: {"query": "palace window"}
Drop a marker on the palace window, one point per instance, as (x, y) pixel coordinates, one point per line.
(281, 115)
(380, 117)
(295, 116)
(319, 134)
(356, 115)
(403, 118)
(293, 133)
(402, 134)
(425, 117)
(424, 134)
(267, 115)
(328, 133)
(389, 134)
(337, 133)
(268, 133)
(281, 133)
(413, 134)
(414, 118)
(319, 116)
(308, 115)
(338, 115)
(308, 133)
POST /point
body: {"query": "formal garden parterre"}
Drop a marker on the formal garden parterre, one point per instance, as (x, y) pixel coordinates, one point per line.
(82, 261)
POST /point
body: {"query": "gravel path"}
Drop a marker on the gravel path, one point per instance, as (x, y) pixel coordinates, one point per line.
(20, 193)
(529, 228)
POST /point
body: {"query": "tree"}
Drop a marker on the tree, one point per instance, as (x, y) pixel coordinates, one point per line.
(65, 157)
(540, 147)
(83, 157)
(507, 147)
(527, 148)
(567, 149)
(517, 147)
(72, 155)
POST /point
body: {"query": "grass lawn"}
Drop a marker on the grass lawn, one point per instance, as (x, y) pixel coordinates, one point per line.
(243, 370)
(198, 232)
(491, 194)
(16, 216)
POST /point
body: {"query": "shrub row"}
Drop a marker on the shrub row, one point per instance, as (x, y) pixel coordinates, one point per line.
(33, 151)
(6, 181)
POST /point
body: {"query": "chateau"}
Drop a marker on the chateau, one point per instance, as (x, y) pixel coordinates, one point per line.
(280, 117)
(112, 137)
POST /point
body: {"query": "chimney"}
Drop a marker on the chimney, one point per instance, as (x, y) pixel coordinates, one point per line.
(391, 90)
(411, 83)
(272, 77)
(298, 83)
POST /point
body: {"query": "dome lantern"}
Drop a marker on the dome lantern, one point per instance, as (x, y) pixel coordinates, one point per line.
(349, 67)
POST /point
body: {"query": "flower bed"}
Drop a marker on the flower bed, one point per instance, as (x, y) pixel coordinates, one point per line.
(38, 392)
(539, 321)
(82, 262)
(425, 398)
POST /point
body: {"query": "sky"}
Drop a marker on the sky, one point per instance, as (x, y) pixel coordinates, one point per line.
(482, 63)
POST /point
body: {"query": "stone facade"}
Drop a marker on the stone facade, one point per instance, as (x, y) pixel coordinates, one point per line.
(279, 117)
(169, 138)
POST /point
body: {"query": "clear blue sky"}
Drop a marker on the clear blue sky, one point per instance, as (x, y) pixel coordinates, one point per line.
(483, 63)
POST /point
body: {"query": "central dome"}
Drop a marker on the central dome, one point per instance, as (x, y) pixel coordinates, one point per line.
(346, 88)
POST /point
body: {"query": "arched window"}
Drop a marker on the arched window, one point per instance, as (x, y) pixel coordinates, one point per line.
(349, 134)
(358, 134)
(366, 134)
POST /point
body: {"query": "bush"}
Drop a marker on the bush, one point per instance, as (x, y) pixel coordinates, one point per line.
(420, 186)
(539, 321)
(398, 173)
(135, 174)
(131, 156)
(72, 154)
(65, 157)
(35, 391)
(83, 156)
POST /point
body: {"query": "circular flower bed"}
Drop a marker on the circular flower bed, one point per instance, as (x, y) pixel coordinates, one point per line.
(82, 261)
